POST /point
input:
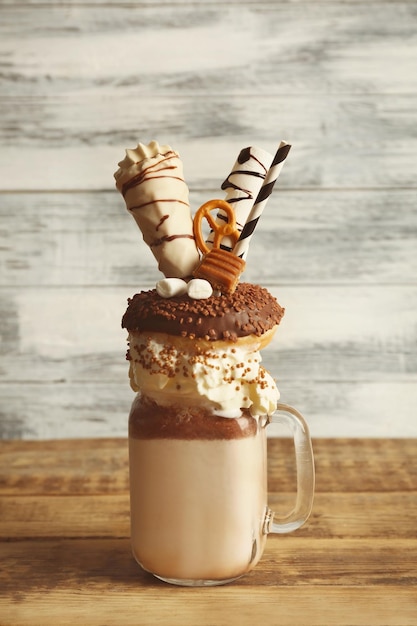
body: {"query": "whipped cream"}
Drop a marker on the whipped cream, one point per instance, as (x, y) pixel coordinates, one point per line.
(225, 379)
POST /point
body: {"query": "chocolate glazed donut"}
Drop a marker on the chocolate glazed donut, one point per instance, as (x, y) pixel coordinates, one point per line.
(250, 310)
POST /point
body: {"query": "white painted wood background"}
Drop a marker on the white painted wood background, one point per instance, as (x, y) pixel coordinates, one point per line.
(79, 82)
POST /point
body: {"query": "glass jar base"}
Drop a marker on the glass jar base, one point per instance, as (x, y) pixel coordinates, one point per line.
(185, 582)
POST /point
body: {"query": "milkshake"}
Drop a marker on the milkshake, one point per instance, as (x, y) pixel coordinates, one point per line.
(197, 441)
(197, 426)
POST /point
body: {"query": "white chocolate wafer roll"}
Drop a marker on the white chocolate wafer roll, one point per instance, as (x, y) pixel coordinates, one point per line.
(242, 245)
(242, 186)
(151, 180)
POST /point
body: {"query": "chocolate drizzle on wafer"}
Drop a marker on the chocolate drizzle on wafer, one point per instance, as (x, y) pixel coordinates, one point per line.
(146, 174)
(244, 156)
(161, 240)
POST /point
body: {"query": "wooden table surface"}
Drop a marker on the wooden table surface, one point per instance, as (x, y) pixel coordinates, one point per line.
(65, 554)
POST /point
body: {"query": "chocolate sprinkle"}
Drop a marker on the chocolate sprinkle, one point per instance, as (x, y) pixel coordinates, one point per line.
(250, 310)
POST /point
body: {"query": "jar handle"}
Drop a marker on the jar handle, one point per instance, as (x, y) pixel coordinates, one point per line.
(289, 416)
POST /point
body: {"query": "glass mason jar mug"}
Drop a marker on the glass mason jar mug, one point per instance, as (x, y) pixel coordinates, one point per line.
(198, 490)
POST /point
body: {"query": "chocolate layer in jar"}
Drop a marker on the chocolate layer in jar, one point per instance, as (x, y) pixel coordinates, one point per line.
(149, 420)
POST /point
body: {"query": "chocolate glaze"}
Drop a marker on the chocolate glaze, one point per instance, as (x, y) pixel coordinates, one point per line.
(250, 310)
(148, 420)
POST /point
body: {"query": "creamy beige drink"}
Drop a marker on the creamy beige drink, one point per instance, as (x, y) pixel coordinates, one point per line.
(199, 504)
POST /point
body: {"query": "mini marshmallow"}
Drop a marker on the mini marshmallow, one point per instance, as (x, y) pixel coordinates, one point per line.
(170, 287)
(199, 289)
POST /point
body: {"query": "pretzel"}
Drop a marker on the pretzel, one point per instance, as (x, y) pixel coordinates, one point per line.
(224, 229)
(220, 267)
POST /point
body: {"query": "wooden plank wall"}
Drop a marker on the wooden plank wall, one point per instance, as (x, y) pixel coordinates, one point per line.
(79, 82)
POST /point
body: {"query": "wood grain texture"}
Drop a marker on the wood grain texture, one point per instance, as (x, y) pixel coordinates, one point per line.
(85, 83)
(372, 157)
(321, 237)
(35, 411)
(252, 48)
(80, 82)
(389, 605)
(66, 556)
(31, 468)
(364, 347)
(358, 374)
(340, 141)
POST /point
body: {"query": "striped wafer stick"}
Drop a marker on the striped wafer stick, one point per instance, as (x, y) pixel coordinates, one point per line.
(242, 245)
(242, 187)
